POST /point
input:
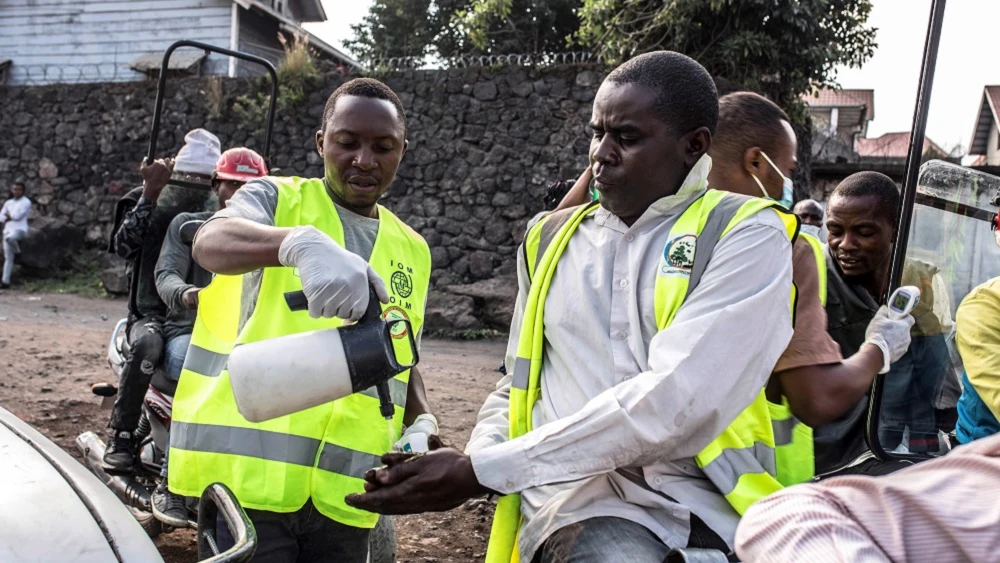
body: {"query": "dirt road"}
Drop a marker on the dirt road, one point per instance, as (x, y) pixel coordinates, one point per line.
(52, 348)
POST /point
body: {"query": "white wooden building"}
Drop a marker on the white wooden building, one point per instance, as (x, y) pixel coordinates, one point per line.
(73, 41)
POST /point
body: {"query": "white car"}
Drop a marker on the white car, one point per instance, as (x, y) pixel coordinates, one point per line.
(53, 509)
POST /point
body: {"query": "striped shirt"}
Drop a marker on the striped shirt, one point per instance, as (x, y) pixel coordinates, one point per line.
(938, 511)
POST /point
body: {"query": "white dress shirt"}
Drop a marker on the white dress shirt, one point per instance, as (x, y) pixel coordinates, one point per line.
(14, 214)
(617, 393)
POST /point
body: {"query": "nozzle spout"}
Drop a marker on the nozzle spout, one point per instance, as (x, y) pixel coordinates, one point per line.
(385, 406)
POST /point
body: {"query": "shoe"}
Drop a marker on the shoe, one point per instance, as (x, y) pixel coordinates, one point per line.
(4, 285)
(119, 457)
(169, 508)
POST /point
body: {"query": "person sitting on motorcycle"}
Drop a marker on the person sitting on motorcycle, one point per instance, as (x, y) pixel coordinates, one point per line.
(134, 240)
(178, 281)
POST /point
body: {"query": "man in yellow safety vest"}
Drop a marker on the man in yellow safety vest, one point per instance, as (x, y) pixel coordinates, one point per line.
(329, 238)
(754, 154)
(646, 326)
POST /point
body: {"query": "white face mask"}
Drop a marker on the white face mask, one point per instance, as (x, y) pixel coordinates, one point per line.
(787, 196)
(812, 230)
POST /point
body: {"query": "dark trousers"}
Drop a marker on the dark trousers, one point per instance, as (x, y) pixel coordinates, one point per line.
(145, 338)
(303, 536)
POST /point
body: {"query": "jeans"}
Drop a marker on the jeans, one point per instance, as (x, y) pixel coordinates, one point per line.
(11, 246)
(302, 536)
(173, 357)
(910, 395)
(145, 338)
(173, 362)
(608, 539)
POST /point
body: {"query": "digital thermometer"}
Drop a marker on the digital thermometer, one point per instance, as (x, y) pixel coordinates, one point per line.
(903, 301)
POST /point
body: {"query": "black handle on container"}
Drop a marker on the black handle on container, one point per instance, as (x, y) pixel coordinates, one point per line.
(161, 89)
(297, 301)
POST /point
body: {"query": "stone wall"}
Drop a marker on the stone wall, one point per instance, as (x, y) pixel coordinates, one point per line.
(483, 145)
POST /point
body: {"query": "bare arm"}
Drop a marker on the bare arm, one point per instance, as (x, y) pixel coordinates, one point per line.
(232, 245)
(579, 194)
(416, 398)
(821, 394)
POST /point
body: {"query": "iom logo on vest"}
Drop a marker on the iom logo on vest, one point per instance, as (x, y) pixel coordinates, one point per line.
(678, 256)
(400, 288)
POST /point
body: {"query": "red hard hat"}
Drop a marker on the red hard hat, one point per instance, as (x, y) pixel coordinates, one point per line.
(240, 164)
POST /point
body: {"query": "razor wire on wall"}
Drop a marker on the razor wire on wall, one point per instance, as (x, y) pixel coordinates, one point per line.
(41, 75)
(476, 61)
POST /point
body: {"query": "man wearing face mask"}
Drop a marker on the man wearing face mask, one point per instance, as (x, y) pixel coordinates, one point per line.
(810, 212)
(754, 154)
(329, 238)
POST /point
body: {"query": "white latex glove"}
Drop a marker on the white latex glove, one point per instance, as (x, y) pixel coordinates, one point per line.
(892, 336)
(424, 424)
(334, 280)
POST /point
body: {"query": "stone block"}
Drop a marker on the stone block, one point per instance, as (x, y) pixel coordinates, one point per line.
(485, 91)
(49, 244)
(47, 170)
(115, 281)
(450, 312)
(494, 299)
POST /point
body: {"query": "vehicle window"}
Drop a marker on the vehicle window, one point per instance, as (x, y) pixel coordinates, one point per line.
(951, 251)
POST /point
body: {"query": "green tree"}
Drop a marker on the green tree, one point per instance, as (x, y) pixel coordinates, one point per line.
(448, 28)
(395, 28)
(515, 26)
(780, 48)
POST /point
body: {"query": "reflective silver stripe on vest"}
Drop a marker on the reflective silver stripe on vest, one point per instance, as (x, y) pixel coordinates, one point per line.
(397, 392)
(718, 219)
(783, 430)
(344, 461)
(272, 446)
(248, 442)
(725, 470)
(205, 362)
(522, 372)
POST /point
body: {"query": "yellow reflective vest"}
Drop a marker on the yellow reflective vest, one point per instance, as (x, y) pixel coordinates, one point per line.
(740, 462)
(794, 440)
(320, 453)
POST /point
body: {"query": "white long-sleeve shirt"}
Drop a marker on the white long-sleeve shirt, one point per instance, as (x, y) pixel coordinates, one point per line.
(616, 393)
(14, 214)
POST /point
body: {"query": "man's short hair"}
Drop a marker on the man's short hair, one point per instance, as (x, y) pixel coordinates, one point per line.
(686, 98)
(872, 184)
(365, 88)
(747, 120)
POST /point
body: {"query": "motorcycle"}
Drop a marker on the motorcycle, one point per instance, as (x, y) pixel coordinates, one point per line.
(151, 435)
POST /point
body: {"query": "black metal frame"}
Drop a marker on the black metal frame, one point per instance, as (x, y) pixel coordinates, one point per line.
(161, 89)
(909, 198)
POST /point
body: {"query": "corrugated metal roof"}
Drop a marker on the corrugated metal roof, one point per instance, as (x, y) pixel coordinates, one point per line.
(827, 97)
(986, 116)
(892, 145)
(179, 60)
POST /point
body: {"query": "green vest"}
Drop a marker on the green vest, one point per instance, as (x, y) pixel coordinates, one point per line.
(320, 453)
(794, 440)
(740, 462)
